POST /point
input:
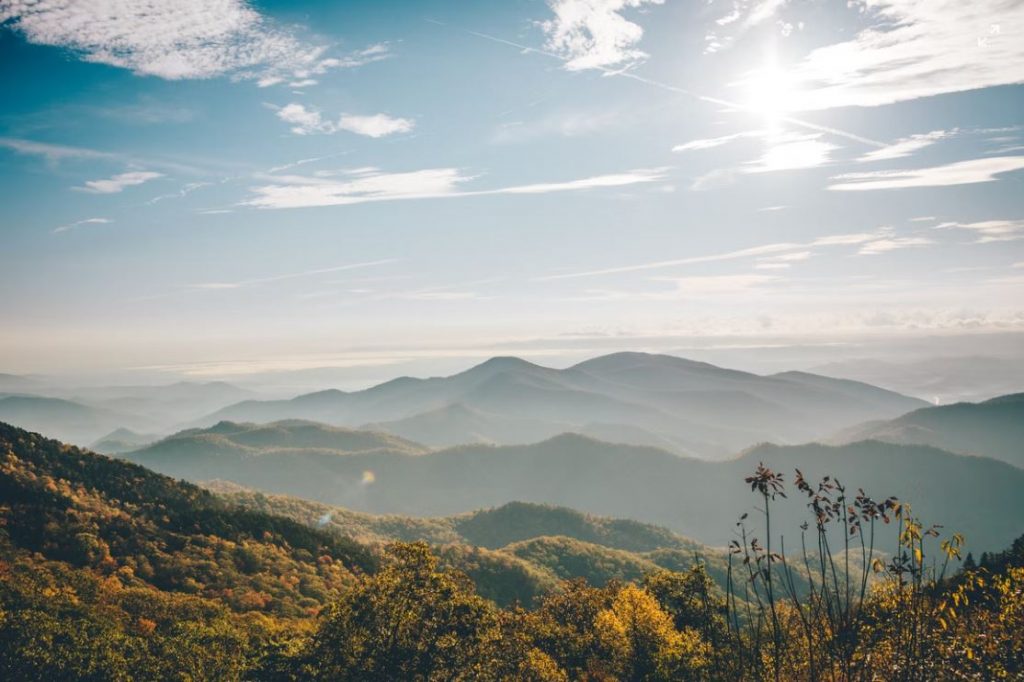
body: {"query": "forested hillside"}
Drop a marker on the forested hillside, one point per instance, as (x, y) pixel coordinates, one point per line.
(110, 571)
(694, 498)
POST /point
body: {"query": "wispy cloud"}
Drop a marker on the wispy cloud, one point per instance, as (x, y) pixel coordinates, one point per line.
(792, 152)
(852, 239)
(51, 152)
(712, 142)
(561, 123)
(303, 162)
(887, 244)
(78, 223)
(905, 146)
(306, 121)
(239, 284)
(118, 182)
(990, 230)
(371, 185)
(917, 48)
(783, 151)
(593, 34)
(685, 288)
(958, 173)
(174, 40)
(181, 193)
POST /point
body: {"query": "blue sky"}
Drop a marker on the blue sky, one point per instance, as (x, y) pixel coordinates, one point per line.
(217, 190)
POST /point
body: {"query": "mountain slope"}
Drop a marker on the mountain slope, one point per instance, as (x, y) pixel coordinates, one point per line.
(698, 499)
(993, 428)
(66, 419)
(88, 510)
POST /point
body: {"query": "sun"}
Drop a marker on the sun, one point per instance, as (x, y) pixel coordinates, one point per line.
(770, 92)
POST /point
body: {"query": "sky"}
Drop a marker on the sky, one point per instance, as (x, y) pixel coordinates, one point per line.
(230, 189)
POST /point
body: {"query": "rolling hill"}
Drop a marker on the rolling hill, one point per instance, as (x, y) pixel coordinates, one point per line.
(66, 419)
(698, 499)
(993, 428)
(252, 552)
(689, 407)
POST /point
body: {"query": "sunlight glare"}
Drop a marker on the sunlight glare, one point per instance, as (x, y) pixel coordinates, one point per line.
(771, 93)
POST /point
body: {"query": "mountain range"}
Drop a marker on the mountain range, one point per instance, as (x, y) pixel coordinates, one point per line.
(687, 407)
(85, 415)
(700, 499)
(993, 428)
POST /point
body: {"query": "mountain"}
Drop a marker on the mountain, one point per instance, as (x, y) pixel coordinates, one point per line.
(70, 505)
(19, 383)
(689, 407)
(698, 499)
(68, 509)
(66, 419)
(939, 379)
(993, 428)
(122, 440)
(168, 405)
(436, 427)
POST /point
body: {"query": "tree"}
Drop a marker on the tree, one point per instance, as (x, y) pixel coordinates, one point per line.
(644, 644)
(411, 621)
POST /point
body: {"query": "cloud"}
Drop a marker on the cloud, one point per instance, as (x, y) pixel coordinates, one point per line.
(239, 284)
(792, 152)
(181, 193)
(175, 40)
(87, 221)
(306, 121)
(743, 15)
(710, 285)
(684, 288)
(562, 123)
(782, 261)
(916, 48)
(712, 142)
(990, 230)
(371, 185)
(377, 125)
(887, 244)
(51, 152)
(958, 173)
(592, 34)
(763, 250)
(118, 182)
(905, 146)
(359, 187)
(782, 151)
(729, 255)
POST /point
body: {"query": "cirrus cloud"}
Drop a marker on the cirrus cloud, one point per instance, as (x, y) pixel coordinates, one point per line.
(118, 182)
(175, 40)
(365, 185)
(967, 172)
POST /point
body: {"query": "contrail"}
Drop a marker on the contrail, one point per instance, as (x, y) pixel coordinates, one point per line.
(670, 88)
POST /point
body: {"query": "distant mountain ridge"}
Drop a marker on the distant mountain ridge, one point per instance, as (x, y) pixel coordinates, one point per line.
(686, 406)
(88, 414)
(993, 428)
(697, 499)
